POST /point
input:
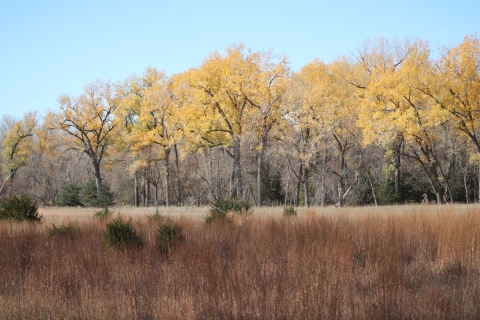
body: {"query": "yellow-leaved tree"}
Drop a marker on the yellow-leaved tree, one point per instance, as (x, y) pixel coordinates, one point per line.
(151, 132)
(18, 146)
(324, 116)
(88, 123)
(265, 93)
(393, 108)
(213, 105)
(455, 86)
(309, 93)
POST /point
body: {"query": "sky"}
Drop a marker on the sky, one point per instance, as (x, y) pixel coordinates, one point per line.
(50, 48)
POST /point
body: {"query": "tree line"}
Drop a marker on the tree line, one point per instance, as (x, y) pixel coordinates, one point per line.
(391, 123)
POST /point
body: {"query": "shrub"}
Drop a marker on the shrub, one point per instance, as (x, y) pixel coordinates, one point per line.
(20, 209)
(64, 230)
(169, 235)
(69, 196)
(220, 208)
(90, 197)
(121, 235)
(103, 214)
(157, 216)
(289, 211)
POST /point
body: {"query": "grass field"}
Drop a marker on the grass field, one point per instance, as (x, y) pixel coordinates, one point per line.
(414, 262)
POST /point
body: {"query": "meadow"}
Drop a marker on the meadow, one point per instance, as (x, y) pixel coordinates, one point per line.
(415, 262)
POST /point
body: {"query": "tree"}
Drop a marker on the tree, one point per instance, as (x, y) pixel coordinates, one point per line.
(307, 96)
(265, 93)
(454, 85)
(323, 115)
(151, 128)
(214, 107)
(69, 196)
(393, 108)
(91, 197)
(88, 121)
(17, 146)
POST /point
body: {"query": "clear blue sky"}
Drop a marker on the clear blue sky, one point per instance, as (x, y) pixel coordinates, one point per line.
(48, 48)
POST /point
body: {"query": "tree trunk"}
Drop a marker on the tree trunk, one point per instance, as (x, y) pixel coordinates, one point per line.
(98, 177)
(167, 177)
(305, 186)
(432, 170)
(137, 203)
(435, 183)
(372, 188)
(299, 184)
(259, 177)
(478, 183)
(398, 173)
(432, 174)
(147, 191)
(236, 172)
(341, 191)
(286, 192)
(342, 172)
(440, 196)
(10, 176)
(465, 183)
(179, 181)
(145, 188)
(324, 163)
(263, 147)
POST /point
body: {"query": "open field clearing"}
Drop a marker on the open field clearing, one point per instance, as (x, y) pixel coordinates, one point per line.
(415, 262)
(59, 214)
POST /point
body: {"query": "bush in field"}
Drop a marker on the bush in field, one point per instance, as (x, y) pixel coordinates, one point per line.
(103, 214)
(156, 217)
(220, 208)
(169, 235)
(64, 230)
(19, 209)
(90, 198)
(69, 196)
(289, 211)
(121, 235)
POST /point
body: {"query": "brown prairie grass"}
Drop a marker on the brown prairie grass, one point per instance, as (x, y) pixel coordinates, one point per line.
(394, 262)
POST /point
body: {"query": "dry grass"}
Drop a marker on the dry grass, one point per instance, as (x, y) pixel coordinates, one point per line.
(409, 262)
(59, 214)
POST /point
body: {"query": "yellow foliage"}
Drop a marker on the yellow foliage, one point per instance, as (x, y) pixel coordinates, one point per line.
(87, 122)
(228, 96)
(18, 143)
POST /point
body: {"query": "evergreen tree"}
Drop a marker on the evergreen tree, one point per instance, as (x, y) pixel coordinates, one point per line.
(69, 196)
(90, 197)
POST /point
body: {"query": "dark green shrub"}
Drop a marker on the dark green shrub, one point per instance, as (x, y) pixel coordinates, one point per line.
(121, 235)
(90, 198)
(169, 235)
(272, 185)
(103, 214)
(411, 190)
(20, 209)
(69, 196)
(156, 217)
(220, 208)
(289, 211)
(218, 211)
(64, 230)
(240, 207)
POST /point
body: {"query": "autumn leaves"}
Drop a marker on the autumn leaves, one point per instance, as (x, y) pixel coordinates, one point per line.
(392, 94)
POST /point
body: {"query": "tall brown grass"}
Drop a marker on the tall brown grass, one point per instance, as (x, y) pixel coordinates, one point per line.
(410, 262)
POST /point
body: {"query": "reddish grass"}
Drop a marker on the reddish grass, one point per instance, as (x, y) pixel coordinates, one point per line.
(419, 263)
